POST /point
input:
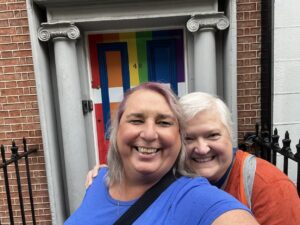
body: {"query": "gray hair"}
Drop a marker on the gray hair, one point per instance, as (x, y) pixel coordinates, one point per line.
(196, 102)
(114, 162)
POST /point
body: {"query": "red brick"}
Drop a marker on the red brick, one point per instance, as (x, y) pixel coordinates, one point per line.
(16, 134)
(9, 46)
(16, 127)
(6, 14)
(8, 69)
(3, 114)
(240, 47)
(2, 100)
(24, 46)
(9, 62)
(255, 30)
(11, 84)
(20, 14)
(255, 15)
(247, 69)
(31, 112)
(247, 24)
(13, 106)
(3, 7)
(247, 99)
(255, 106)
(26, 83)
(245, 85)
(246, 7)
(15, 120)
(22, 53)
(7, 31)
(247, 39)
(6, 54)
(5, 39)
(3, 23)
(12, 91)
(24, 68)
(16, 5)
(20, 38)
(31, 126)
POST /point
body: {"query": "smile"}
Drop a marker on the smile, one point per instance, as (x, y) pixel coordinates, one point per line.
(203, 159)
(145, 150)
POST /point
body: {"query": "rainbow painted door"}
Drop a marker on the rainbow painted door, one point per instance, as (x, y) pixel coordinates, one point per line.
(123, 60)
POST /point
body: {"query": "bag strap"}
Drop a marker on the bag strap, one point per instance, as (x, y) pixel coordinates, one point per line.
(249, 168)
(146, 200)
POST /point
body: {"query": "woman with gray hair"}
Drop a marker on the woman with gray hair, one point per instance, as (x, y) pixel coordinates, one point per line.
(270, 194)
(146, 149)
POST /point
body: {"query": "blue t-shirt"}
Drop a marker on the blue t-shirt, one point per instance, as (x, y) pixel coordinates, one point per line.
(186, 201)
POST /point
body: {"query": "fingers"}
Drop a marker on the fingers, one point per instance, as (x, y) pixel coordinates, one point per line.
(89, 179)
(92, 174)
(96, 168)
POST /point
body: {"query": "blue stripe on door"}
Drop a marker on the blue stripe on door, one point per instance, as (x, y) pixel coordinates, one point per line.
(102, 48)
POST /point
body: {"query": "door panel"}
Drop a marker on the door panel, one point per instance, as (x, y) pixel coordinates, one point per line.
(125, 60)
(162, 62)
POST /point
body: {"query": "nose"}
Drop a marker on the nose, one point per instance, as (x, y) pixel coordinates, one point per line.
(202, 146)
(149, 132)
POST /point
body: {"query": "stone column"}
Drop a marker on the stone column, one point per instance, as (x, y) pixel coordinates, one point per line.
(75, 157)
(205, 62)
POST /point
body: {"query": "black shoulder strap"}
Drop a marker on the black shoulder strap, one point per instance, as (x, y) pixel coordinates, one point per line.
(146, 200)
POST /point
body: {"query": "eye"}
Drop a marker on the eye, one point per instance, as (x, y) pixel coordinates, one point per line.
(214, 136)
(165, 123)
(136, 121)
(189, 139)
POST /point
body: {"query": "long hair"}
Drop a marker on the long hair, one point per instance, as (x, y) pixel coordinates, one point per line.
(196, 102)
(114, 161)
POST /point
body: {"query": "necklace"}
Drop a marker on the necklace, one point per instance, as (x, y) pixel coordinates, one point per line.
(118, 208)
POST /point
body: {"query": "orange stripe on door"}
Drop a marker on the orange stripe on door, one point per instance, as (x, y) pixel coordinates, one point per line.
(114, 68)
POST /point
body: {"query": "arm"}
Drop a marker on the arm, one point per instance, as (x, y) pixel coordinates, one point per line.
(92, 174)
(235, 217)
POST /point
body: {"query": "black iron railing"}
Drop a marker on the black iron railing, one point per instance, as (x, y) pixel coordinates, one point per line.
(15, 158)
(266, 146)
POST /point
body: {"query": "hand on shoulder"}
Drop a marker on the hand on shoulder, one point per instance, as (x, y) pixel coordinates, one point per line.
(92, 174)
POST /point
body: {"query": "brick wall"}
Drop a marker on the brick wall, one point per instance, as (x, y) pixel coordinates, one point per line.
(248, 65)
(19, 116)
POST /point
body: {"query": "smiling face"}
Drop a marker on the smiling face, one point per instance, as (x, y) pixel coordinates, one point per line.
(209, 145)
(148, 137)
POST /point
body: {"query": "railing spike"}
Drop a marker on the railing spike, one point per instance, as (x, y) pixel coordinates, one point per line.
(287, 135)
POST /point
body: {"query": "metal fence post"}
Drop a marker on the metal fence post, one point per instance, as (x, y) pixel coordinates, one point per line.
(11, 216)
(15, 156)
(297, 156)
(275, 144)
(286, 150)
(29, 182)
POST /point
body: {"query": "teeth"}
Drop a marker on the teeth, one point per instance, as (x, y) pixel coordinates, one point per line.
(202, 160)
(146, 150)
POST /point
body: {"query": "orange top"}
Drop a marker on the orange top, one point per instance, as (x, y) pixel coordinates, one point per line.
(275, 200)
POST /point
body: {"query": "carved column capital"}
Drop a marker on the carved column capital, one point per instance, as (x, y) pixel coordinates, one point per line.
(215, 20)
(49, 31)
